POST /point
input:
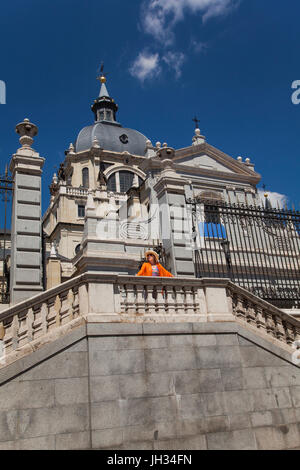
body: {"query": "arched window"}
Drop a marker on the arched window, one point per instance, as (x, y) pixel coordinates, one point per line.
(126, 180)
(108, 115)
(121, 181)
(77, 249)
(111, 183)
(85, 177)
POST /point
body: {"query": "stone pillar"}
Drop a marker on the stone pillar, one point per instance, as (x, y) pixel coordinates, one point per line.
(26, 240)
(175, 229)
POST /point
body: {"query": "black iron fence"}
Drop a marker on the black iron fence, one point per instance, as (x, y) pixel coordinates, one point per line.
(6, 189)
(257, 248)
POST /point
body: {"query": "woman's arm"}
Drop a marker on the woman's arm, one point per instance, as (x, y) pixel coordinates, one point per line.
(164, 272)
(142, 270)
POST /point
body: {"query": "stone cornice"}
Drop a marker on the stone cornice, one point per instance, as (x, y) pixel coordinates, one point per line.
(170, 184)
(68, 225)
(31, 164)
(103, 154)
(253, 178)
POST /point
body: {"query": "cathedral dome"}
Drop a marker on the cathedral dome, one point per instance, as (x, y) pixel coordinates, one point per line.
(112, 137)
(106, 130)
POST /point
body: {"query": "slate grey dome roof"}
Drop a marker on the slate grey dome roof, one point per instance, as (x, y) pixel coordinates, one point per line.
(113, 137)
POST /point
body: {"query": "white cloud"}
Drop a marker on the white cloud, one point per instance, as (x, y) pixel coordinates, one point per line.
(158, 19)
(161, 16)
(199, 47)
(276, 199)
(145, 66)
(175, 61)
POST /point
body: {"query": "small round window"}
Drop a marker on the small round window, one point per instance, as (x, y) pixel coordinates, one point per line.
(124, 139)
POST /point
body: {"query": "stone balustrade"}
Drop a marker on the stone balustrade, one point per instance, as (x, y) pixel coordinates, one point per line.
(264, 317)
(72, 191)
(39, 319)
(96, 297)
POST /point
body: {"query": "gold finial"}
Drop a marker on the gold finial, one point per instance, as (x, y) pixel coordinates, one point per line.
(265, 192)
(102, 77)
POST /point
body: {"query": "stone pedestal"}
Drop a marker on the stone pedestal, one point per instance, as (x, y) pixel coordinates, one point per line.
(26, 246)
(103, 248)
(53, 273)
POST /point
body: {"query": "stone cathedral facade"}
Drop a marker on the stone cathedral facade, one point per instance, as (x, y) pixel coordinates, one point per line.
(110, 176)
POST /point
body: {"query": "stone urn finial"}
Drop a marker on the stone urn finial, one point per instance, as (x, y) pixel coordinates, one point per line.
(166, 155)
(95, 143)
(27, 131)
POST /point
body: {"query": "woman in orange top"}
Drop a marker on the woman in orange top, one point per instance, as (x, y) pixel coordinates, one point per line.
(152, 266)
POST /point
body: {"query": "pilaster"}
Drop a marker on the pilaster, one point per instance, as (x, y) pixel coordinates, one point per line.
(26, 245)
(175, 230)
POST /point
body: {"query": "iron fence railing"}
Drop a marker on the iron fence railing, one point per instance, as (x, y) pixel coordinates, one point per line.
(6, 189)
(258, 248)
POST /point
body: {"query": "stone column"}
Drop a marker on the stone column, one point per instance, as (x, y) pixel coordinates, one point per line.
(175, 230)
(26, 240)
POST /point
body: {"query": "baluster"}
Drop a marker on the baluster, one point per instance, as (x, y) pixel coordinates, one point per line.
(53, 309)
(37, 321)
(10, 334)
(44, 313)
(239, 309)
(279, 329)
(140, 299)
(131, 299)
(65, 310)
(75, 303)
(30, 320)
(160, 300)
(23, 328)
(270, 326)
(189, 304)
(259, 318)
(289, 332)
(179, 300)
(123, 298)
(146, 297)
(170, 300)
(199, 301)
(196, 300)
(151, 299)
(250, 314)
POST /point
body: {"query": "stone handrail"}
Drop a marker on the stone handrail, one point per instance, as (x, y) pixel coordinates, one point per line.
(264, 317)
(72, 191)
(97, 297)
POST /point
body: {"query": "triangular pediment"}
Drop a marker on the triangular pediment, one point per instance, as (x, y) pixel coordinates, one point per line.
(204, 160)
(207, 157)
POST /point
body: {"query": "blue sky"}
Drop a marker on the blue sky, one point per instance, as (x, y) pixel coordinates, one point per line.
(232, 63)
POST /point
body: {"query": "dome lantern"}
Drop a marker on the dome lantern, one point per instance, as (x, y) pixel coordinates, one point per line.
(106, 131)
(104, 107)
